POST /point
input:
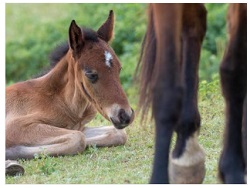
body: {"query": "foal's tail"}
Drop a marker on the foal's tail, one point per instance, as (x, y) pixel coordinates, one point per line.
(146, 66)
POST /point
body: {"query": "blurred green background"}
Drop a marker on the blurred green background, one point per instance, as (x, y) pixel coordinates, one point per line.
(33, 30)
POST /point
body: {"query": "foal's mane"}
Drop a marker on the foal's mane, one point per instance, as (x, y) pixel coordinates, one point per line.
(60, 51)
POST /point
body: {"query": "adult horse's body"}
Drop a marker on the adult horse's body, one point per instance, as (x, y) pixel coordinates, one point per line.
(48, 114)
(169, 80)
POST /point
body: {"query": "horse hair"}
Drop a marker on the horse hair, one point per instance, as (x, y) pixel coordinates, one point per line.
(61, 49)
(147, 64)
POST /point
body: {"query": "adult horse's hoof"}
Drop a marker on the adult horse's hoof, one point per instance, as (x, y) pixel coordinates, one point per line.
(186, 174)
(12, 168)
(190, 167)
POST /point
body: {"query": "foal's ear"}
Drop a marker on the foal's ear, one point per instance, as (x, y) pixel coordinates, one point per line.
(105, 32)
(76, 42)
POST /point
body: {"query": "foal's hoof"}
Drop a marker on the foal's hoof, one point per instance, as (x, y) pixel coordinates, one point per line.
(12, 168)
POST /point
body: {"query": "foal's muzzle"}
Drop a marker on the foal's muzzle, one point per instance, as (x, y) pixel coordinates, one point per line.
(123, 118)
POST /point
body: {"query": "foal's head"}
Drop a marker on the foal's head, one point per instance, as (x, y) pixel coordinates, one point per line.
(97, 69)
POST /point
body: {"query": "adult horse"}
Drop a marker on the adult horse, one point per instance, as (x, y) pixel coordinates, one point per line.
(169, 81)
(48, 114)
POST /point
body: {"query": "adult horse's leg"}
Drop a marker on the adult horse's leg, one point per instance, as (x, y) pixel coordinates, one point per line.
(233, 72)
(188, 158)
(167, 84)
(244, 136)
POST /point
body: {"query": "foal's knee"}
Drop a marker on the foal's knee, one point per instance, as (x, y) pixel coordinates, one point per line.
(78, 142)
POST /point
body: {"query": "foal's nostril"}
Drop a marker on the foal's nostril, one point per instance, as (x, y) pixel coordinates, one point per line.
(123, 117)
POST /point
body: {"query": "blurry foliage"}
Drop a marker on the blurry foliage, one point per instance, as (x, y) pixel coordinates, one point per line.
(33, 30)
(214, 42)
(209, 90)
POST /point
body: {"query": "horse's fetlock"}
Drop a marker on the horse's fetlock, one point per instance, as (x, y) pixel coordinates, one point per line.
(179, 174)
(189, 167)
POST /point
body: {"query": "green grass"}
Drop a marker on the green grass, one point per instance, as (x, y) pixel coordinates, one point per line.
(132, 162)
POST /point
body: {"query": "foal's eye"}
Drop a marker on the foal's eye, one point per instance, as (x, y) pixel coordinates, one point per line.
(92, 76)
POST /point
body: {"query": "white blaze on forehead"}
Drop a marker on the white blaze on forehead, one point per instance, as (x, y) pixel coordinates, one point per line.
(108, 57)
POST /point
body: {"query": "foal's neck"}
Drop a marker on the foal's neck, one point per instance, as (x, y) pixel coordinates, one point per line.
(64, 83)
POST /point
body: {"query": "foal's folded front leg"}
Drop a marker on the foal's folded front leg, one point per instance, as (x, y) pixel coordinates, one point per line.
(43, 138)
(105, 136)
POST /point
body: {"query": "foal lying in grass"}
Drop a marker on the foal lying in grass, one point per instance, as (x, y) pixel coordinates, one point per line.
(49, 113)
